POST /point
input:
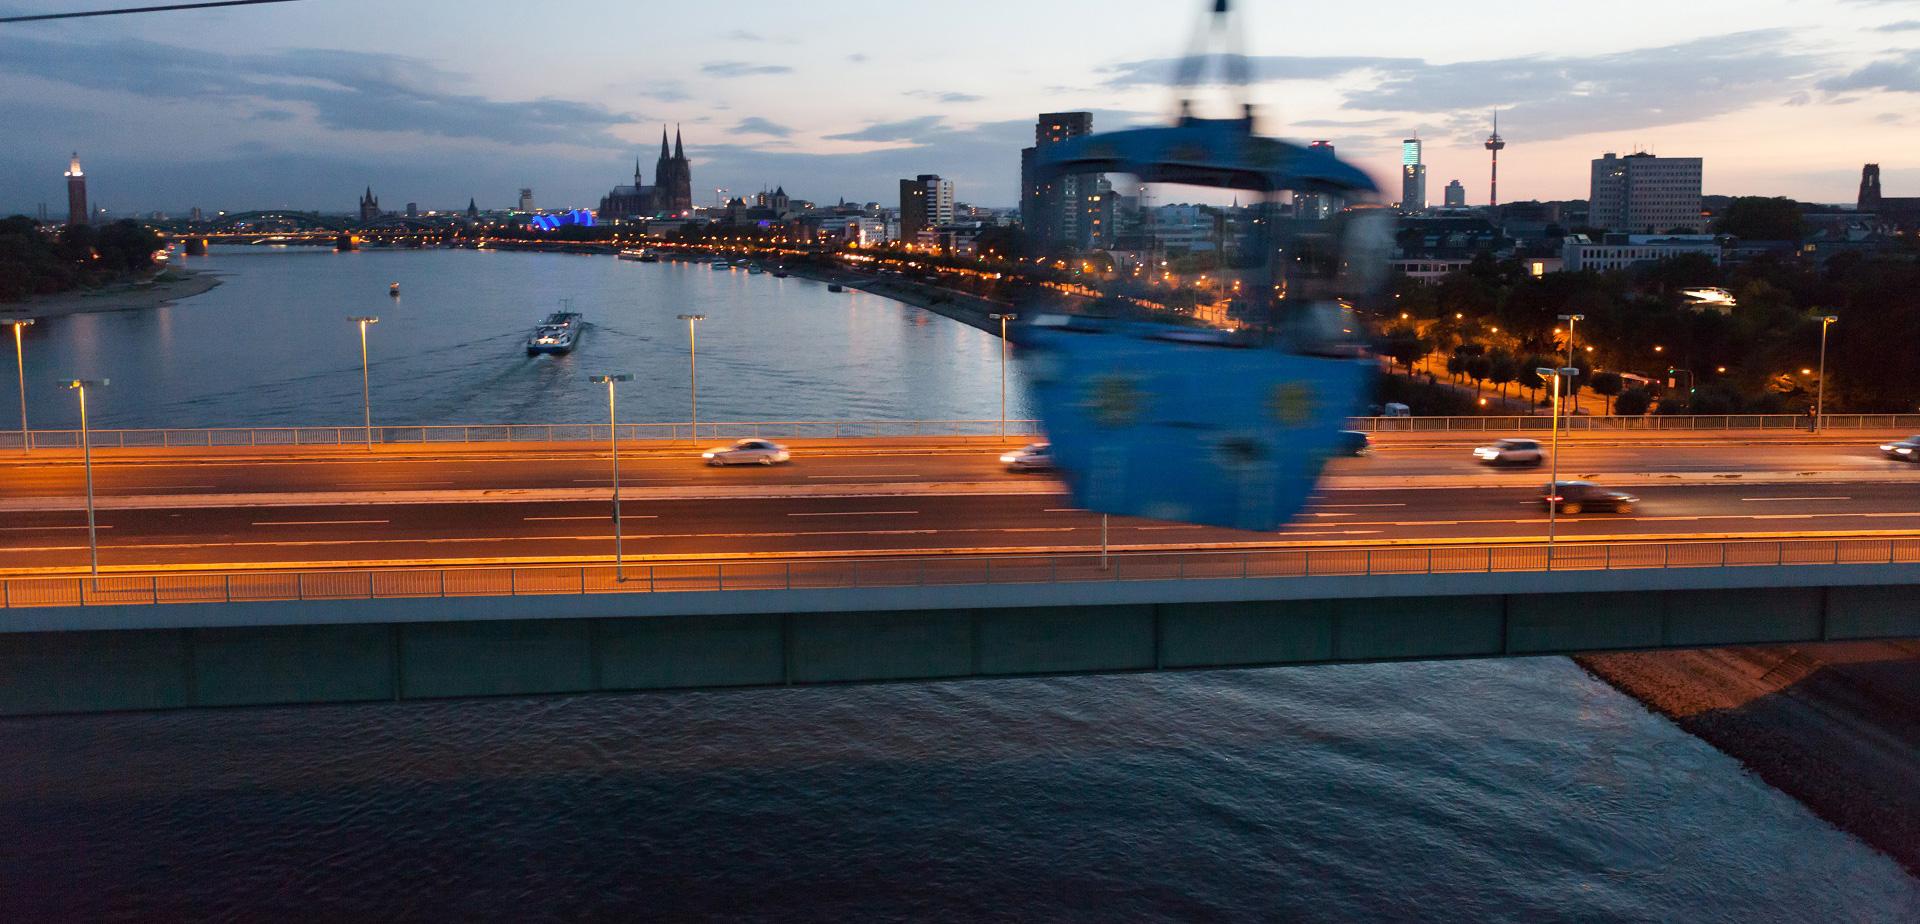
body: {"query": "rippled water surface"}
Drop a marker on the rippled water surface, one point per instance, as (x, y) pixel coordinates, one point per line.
(272, 346)
(1489, 791)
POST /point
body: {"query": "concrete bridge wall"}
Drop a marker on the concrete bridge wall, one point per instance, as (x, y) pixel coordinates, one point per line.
(65, 660)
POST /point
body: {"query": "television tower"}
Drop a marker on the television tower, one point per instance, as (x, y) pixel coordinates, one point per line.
(1494, 144)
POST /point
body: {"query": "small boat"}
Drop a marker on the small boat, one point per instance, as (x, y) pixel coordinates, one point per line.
(780, 272)
(636, 254)
(394, 290)
(836, 287)
(649, 257)
(755, 269)
(557, 334)
(722, 264)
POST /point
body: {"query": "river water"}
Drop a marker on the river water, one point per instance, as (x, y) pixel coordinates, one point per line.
(1518, 790)
(272, 346)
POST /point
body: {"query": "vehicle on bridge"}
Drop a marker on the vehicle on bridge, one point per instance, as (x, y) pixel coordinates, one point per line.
(1355, 443)
(1037, 457)
(1511, 452)
(1907, 450)
(748, 452)
(1576, 496)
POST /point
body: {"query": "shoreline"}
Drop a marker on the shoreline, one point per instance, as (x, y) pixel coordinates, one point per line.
(1836, 726)
(122, 296)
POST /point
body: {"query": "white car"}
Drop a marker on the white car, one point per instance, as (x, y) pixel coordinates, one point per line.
(747, 452)
(1037, 457)
(1511, 452)
(1907, 450)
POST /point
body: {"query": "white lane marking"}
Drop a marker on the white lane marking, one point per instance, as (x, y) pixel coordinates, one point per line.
(857, 513)
(870, 475)
(25, 528)
(319, 522)
(598, 516)
(1327, 514)
(1760, 499)
(1338, 506)
(1149, 529)
(162, 487)
(397, 484)
(1065, 510)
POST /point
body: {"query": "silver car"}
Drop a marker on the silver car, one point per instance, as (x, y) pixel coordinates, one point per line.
(1037, 457)
(748, 452)
(1907, 450)
(1510, 452)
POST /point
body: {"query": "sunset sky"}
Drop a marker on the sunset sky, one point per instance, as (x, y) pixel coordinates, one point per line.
(303, 104)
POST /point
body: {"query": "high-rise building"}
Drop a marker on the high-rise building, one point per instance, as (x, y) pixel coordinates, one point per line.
(526, 199)
(1413, 177)
(1495, 144)
(76, 192)
(926, 202)
(1317, 206)
(413, 210)
(1055, 211)
(1644, 194)
(1456, 195)
(369, 205)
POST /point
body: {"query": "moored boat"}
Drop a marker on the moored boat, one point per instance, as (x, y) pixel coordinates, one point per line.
(836, 287)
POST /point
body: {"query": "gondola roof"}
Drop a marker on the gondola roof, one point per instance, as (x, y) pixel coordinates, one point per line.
(1220, 153)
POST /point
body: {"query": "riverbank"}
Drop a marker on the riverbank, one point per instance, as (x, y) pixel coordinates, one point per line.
(165, 288)
(1835, 726)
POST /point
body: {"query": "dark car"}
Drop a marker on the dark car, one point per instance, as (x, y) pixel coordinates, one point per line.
(1576, 496)
(1354, 443)
(1907, 450)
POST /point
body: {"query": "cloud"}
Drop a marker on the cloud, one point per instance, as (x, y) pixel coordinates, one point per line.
(741, 69)
(1548, 97)
(857, 58)
(1899, 74)
(742, 35)
(946, 97)
(667, 91)
(754, 125)
(343, 90)
(914, 129)
(1904, 25)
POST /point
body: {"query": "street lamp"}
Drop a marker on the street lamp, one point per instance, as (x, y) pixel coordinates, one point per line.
(613, 443)
(1003, 319)
(20, 362)
(1553, 487)
(1571, 320)
(693, 373)
(86, 454)
(1820, 396)
(366, 395)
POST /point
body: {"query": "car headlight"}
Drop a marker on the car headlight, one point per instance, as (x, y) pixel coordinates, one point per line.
(1905, 450)
(1010, 457)
(1889, 447)
(706, 455)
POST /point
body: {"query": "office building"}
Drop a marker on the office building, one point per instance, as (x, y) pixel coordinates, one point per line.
(1413, 177)
(526, 199)
(926, 202)
(1055, 212)
(1317, 205)
(1456, 195)
(1622, 251)
(1644, 194)
(76, 192)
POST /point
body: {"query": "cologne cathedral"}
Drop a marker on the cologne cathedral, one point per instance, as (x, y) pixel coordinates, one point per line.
(670, 195)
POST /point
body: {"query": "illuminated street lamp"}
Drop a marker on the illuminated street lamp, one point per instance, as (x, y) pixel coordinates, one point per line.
(613, 444)
(1553, 487)
(693, 373)
(1003, 319)
(20, 362)
(1571, 320)
(366, 395)
(1820, 396)
(86, 454)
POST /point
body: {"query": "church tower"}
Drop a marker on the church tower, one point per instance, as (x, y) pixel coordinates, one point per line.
(369, 206)
(1869, 189)
(672, 177)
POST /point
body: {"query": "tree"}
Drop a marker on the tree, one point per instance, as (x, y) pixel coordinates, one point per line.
(1504, 370)
(1405, 346)
(1759, 218)
(1479, 367)
(1633, 402)
(1607, 385)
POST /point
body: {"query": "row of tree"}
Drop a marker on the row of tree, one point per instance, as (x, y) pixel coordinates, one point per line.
(33, 262)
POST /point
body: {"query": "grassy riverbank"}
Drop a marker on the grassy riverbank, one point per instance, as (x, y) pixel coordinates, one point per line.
(166, 288)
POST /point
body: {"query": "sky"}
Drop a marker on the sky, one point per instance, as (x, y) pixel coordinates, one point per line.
(304, 104)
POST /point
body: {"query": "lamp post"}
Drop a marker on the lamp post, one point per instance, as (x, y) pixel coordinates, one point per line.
(86, 454)
(1571, 320)
(20, 363)
(693, 373)
(1003, 319)
(1820, 395)
(366, 394)
(1553, 487)
(613, 443)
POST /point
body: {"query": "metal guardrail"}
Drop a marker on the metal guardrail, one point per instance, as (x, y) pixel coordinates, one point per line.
(514, 433)
(836, 429)
(1652, 423)
(804, 574)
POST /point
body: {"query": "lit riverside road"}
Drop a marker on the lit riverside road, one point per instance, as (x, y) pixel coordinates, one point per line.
(875, 497)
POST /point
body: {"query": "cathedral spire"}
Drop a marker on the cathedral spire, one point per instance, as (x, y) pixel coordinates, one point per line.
(663, 141)
(679, 153)
(636, 171)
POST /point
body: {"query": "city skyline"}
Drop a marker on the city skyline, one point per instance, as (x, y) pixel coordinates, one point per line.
(439, 102)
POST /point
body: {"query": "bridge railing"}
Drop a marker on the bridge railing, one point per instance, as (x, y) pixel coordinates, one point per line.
(957, 570)
(824, 429)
